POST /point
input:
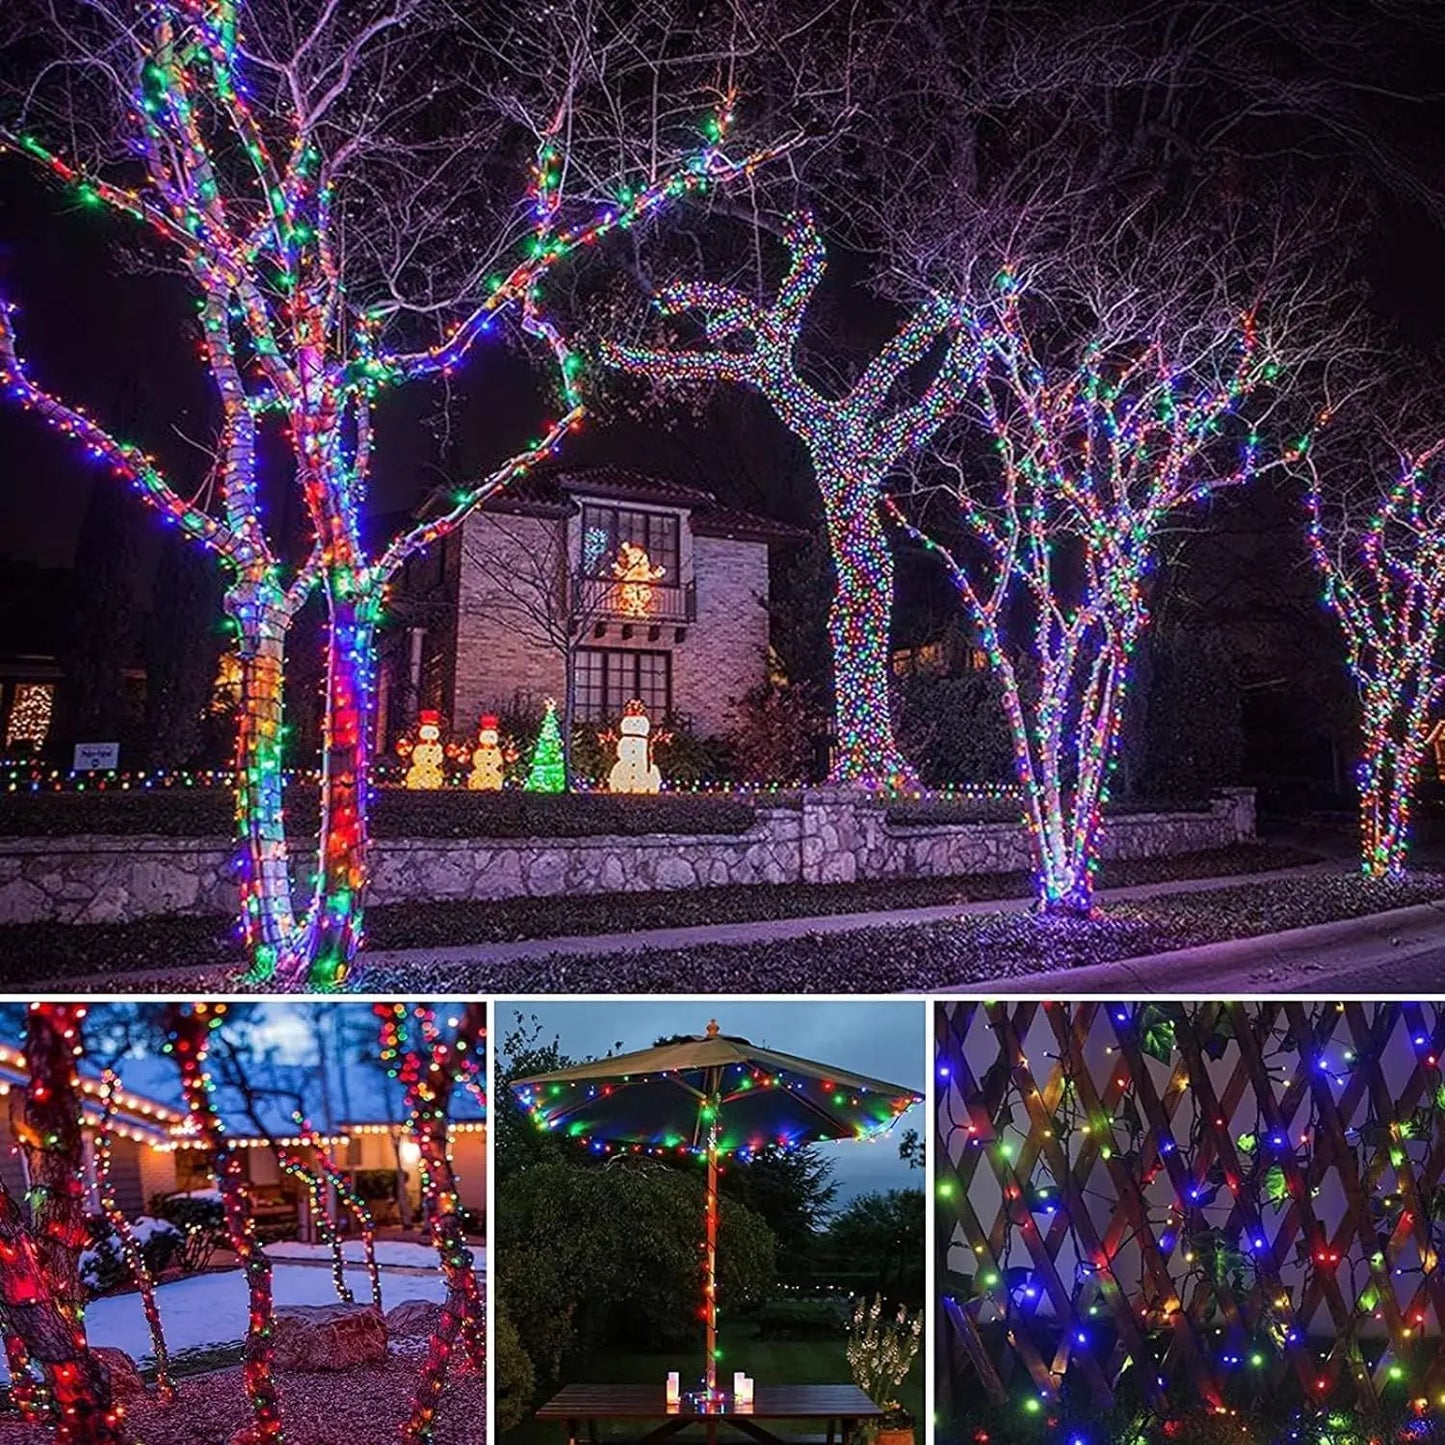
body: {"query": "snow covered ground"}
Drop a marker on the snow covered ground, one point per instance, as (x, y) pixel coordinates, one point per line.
(209, 1310)
(404, 1252)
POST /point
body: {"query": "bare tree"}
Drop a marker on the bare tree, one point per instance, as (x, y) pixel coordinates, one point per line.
(335, 185)
(529, 580)
(1092, 451)
(854, 439)
(1376, 527)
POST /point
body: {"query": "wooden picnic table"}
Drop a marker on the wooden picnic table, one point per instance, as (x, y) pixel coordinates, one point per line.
(839, 1408)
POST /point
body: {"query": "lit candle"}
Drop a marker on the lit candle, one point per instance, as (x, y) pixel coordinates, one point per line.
(673, 1388)
(740, 1386)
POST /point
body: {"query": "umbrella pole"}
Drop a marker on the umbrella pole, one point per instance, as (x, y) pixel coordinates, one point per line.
(710, 1278)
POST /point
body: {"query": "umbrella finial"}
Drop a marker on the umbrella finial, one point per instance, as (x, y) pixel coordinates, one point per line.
(712, 1028)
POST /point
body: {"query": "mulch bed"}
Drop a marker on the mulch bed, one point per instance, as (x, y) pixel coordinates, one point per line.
(37, 952)
(364, 1405)
(946, 955)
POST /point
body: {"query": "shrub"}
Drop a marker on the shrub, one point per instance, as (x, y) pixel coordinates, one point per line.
(373, 1184)
(201, 1220)
(801, 1319)
(103, 1267)
(774, 738)
(590, 1256)
(516, 1380)
(953, 729)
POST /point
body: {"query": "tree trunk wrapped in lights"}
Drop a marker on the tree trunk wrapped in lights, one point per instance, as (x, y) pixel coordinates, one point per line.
(130, 1248)
(52, 1136)
(1380, 548)
(1094, 458)
(853, 440)
(236, 163)
(83, 1412)
(316, 1185)
(324, 1170)
(188, 1030)
(430, 1067)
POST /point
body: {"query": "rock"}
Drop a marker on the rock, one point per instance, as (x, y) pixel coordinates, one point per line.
(126, 1383)
(328, 1337)
(412, 1318)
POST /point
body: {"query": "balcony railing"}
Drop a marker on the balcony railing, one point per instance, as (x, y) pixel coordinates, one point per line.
(598, 599)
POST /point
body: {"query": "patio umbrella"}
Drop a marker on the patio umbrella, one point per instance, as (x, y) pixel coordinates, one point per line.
(711, 1096)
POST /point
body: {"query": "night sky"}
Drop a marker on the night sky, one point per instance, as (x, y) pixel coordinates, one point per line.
(883, 1040)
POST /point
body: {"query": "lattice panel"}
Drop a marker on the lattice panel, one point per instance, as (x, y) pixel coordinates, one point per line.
(1234, 1198)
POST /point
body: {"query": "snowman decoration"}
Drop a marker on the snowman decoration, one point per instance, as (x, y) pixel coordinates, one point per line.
(634, 771)
(488, 760)
(425, 752)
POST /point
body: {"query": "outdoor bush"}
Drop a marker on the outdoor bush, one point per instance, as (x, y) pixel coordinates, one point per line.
(375, 1183)
(876, 1245)
(516, 1380)
(953, 729)
(201, 1220)
(773, 740)
(103, 1267)
(594, 1256)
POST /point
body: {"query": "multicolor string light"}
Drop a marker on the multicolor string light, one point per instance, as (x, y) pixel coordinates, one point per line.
(121, 1227)
(1216, 1202)
(41, 1297)
(1093, 460)
(188, 1035)
(281, 337)
(325, 1168)
(853, 440)
(1384, 579)
(431, 1063)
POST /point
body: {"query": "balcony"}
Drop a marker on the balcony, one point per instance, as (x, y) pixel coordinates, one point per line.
(609, 599)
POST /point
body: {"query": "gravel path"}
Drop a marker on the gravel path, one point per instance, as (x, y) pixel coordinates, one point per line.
(362, 1406)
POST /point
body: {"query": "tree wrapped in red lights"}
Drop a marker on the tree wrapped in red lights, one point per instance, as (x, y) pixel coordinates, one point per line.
(188, 1029)
(1378, 542)
(310, 172)
(41, 1297)
(1093, 458)
(130, 1247)
(431, 1063)
(854, 440)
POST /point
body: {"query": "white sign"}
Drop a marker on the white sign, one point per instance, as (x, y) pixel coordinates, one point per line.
(96, 757)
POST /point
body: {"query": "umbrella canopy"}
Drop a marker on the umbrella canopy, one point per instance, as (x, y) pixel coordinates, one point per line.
(710, 1095)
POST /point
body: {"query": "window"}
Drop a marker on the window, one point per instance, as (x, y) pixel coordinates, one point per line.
(605, 529)
(607, 680)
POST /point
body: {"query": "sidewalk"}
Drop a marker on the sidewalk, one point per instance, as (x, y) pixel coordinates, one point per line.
(1402, 952)
(776, 930)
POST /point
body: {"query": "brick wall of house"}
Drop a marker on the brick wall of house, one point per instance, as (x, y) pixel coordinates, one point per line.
(500, 660)
(725, 652)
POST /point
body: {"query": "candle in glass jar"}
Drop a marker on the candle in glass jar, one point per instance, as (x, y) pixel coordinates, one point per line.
(674, 1386)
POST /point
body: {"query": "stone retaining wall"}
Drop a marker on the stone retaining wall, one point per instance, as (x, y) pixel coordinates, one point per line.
(836, 836)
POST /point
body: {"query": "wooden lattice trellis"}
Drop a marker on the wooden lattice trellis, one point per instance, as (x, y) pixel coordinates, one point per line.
(1146, 1202)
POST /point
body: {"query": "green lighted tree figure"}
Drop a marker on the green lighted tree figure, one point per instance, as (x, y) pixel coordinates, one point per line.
(548, 773)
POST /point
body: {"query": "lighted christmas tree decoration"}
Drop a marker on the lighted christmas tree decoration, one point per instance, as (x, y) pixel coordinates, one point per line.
(1379, 544)
(635, 771)
(1151, 1216)
(247, 184)
(431, 1060)
(425, 752)
(547, 773)
(853, 440)
(1093, 458)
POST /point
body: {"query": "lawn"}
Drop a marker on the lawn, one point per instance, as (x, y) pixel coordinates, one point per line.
(769, 1362)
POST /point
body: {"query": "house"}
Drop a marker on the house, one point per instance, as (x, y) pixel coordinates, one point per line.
(649, 589)
(154, 1151)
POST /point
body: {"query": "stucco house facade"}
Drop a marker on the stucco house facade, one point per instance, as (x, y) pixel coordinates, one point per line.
(648, 587)
(153, 1152)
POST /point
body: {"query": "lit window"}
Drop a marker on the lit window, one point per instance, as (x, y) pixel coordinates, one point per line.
(30, 714)
(226, 689)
